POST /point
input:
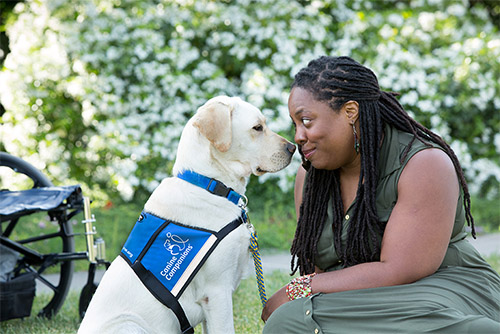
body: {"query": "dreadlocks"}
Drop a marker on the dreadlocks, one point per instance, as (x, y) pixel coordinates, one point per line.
(336, 80)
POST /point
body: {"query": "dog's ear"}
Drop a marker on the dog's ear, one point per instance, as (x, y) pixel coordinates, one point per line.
(213, 120)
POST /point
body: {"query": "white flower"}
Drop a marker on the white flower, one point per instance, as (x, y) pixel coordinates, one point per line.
(427, 21)
(395, 19)
(456, 9)
(410, 98)
(131, 69)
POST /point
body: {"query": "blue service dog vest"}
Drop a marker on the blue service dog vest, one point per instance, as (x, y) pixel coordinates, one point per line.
(166, 256)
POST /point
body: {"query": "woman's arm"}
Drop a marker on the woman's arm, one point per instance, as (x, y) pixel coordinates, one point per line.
(416, 236)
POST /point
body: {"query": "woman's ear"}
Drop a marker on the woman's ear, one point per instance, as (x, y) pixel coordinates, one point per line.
(351, 111)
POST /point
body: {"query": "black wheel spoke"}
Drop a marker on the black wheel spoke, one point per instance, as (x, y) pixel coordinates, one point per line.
(34, 243)
(44, 280)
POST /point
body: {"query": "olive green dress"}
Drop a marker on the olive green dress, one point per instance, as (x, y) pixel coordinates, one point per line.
(463, 296)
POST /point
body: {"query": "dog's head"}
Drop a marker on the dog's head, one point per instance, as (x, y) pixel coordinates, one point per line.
(235, 135)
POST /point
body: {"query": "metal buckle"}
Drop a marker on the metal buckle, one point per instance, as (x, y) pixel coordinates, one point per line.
(245, 202)
(219, 189)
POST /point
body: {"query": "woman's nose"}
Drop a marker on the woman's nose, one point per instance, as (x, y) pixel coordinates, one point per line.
(300, 136)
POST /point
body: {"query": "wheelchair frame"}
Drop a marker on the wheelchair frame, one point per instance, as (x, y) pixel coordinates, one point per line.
(37, 262)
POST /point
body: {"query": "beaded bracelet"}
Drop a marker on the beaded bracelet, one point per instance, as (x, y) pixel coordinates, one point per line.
(299, 287)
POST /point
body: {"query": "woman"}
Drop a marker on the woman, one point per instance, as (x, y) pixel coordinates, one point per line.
(380, 238)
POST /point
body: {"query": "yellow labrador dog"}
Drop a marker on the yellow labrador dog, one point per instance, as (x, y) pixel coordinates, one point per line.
(225, 142)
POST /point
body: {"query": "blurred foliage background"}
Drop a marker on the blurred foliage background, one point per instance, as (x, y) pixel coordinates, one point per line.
(97, 92)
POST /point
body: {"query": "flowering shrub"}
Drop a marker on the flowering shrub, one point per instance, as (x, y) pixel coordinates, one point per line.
(98, 91)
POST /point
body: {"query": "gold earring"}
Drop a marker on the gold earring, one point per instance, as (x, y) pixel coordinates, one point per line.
(356, 142)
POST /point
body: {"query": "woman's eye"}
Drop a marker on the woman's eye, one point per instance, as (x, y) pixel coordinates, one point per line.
(258, 128)
(306, 121)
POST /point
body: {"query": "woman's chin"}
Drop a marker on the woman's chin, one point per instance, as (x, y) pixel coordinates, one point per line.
(318, 164)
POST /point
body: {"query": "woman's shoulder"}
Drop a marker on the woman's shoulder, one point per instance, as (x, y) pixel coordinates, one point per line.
(421, 153)
(404, 145)
(405, 139)
(416, 161)
(430, 162)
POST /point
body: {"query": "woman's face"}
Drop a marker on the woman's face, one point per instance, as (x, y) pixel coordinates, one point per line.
(325, 136)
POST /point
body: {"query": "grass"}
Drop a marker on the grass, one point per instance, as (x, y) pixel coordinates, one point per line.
(494, 261)
(247, 308)
(66, 321)
(275, 223)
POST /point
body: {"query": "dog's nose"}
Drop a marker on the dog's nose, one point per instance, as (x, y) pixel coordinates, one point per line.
(290, 147)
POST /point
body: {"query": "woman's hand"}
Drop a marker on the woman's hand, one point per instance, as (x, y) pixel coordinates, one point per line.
(279, 298)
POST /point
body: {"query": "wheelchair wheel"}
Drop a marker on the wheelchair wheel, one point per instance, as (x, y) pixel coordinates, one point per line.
(45, 232)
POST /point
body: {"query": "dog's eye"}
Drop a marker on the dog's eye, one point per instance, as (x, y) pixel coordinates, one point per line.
(258, 128)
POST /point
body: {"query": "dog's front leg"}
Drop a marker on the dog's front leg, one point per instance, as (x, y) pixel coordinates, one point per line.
(218, 310)
(204, 328)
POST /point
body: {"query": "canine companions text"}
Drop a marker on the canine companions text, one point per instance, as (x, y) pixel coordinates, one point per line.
(225, 142)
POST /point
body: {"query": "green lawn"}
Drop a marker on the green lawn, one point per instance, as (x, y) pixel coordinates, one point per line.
(247, 308)
(275, 226)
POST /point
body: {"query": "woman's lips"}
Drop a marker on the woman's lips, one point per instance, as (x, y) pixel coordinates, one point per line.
(308, 153)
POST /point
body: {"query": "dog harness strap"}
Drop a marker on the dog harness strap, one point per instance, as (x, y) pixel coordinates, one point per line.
(166, 256)
(220, 235)
(211, 185)
(163, 295)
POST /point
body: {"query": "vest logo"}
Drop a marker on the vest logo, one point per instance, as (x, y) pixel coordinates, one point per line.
(174, 244)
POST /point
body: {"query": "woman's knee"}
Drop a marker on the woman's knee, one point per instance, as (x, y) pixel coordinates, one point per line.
(286, 319)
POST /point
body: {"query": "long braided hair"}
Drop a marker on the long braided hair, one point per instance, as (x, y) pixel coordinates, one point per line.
(336, 80)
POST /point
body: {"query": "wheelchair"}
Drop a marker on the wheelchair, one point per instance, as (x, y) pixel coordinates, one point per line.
(42, 247)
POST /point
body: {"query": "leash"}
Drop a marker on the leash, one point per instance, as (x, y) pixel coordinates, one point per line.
(218, 188)
(259, 275)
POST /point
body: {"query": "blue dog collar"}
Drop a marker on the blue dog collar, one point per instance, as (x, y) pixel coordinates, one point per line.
(211, 185)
